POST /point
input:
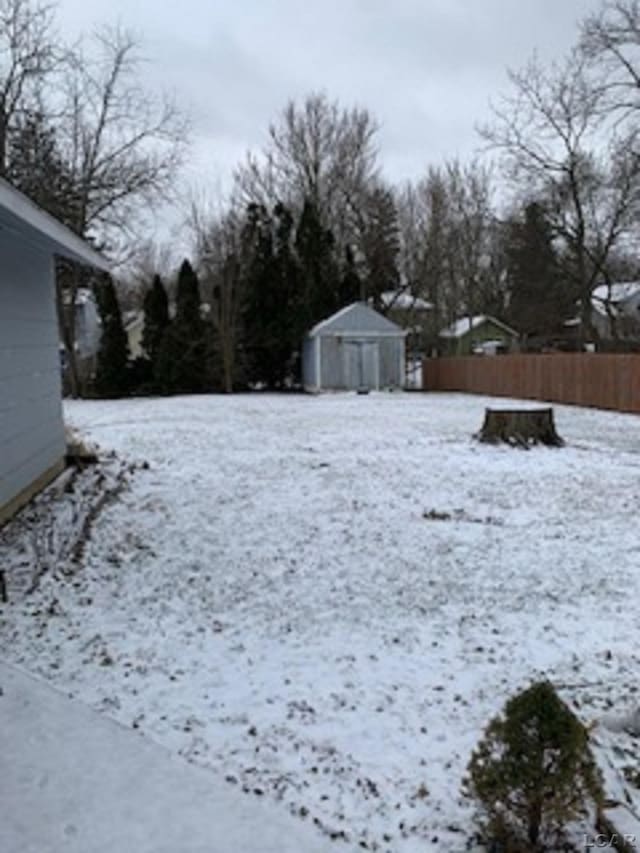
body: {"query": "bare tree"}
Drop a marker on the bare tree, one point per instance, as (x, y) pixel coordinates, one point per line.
(610, 41)
(152, 257)
(27, 57)
(123, 144)
(553, 133)
(318, 152)
(122, 147)
(469, 250)
(219, 249)
(448, 241)
(376, 238)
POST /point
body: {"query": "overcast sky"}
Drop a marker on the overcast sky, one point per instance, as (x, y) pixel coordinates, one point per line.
(425, 68)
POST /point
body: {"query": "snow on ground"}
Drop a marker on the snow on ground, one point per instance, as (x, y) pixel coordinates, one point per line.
(270, 601)
(76, 782)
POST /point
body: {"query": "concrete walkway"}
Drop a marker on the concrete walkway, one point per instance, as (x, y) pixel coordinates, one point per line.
(73, 781)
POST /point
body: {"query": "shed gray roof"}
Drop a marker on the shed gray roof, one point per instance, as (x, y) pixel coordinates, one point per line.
(23, 218)
(357, 318)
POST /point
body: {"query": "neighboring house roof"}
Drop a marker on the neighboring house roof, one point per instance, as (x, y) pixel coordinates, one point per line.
(613, 301)
(617, 299)
(617, 292)
(21, 216)
(404, 300)
(357, 318)
(466, 324)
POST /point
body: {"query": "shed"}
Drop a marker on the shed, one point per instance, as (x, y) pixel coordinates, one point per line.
(32, 443)
(477, 335)
(355, 349)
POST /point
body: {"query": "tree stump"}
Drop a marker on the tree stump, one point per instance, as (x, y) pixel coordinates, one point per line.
(520, 427)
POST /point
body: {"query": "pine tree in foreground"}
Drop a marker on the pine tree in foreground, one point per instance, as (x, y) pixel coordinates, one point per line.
(533, 772)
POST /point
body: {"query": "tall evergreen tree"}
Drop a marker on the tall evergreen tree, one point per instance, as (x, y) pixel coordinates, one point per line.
(320, 284)
(286, 331)
(182, 358)
(156, 319)
(111, 370)
(271, 319)
(538, 301)
(351, 285)
(36, 167)
(380, 239)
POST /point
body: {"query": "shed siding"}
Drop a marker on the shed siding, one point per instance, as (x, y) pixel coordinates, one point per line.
(31, 425)
(309, 378)
(391, 362)
(332, 360)
(356, 346)
(390, 355)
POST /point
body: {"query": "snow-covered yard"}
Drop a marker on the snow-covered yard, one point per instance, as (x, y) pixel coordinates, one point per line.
(269, 599)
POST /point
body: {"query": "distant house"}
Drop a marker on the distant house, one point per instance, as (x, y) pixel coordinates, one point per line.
(133, 322)
(355, 349)
(615, 315)
(134, 327)
(616, 310)
(88, 330)
(479, 335)
(32, 442)
(412, 313)
(404, 301)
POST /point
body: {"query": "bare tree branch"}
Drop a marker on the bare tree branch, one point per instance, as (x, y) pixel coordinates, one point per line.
(317, 151)
(553, 132)
(27, 57)
(123, 144)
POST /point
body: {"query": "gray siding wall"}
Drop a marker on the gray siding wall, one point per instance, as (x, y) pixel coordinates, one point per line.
(31, 426)
(391, 362)
(309, 378)
(390, 355)
(331, 359)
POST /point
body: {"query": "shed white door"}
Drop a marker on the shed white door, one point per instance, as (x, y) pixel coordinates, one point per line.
(361, 366)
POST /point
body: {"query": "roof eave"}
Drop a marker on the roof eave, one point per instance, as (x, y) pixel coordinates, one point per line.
(64, 241)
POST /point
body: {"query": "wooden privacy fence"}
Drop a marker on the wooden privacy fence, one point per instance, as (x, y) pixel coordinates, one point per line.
(606, 381)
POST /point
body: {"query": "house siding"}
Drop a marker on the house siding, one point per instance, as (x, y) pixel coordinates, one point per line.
(487, 331)
(134, 339)
(31, 426)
